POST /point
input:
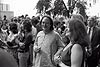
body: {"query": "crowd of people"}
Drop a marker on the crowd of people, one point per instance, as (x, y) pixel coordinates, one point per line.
(50, 41)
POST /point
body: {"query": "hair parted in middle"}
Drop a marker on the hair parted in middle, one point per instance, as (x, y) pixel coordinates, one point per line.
(51, 21)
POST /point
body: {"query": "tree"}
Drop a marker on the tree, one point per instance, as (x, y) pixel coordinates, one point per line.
(59, 7)
(43, 5)
(81, 9)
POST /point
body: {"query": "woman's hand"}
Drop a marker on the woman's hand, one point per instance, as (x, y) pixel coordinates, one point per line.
(57, 59)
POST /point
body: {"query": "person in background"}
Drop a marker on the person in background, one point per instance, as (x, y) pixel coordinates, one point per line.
(15, 20)
(11, 43)
(23, 54)
(48, 44)
(57, 26)
(3, 34)
(4, 28)
(34, 22)
(65, 37)
(39, 27)
(94, 34)
(4, 17)
(5, 20)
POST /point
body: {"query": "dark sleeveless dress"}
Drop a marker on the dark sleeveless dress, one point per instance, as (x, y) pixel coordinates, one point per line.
(66, 56)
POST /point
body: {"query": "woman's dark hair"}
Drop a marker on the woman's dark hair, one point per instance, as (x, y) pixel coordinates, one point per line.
(13, 28)
(27, 25)
(51, 21)
(78, 16)
(78, 32)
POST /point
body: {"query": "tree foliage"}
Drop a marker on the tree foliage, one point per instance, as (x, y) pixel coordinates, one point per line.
(59, 7)
(43, 5)
(81, 7)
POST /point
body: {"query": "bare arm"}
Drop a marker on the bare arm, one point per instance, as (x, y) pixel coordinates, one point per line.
(76, 56)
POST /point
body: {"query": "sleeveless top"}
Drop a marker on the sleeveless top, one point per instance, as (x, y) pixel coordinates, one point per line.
(66, 56)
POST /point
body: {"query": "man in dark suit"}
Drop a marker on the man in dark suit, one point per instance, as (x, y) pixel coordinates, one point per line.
(94, 34)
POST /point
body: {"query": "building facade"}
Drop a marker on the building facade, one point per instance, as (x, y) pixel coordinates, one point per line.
(91, 2)
(5, 10)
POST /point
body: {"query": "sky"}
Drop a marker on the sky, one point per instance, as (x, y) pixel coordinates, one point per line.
(95, 10)
(27, 7)
(22, 6)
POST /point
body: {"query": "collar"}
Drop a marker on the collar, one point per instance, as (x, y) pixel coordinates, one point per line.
(91, 28)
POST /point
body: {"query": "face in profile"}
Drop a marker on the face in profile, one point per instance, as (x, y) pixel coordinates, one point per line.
(46, 24)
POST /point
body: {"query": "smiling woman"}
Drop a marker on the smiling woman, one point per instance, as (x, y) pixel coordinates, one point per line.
(22, 6)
